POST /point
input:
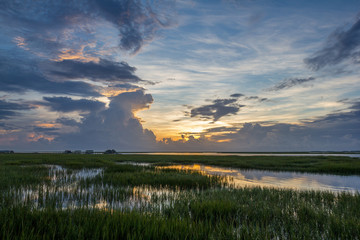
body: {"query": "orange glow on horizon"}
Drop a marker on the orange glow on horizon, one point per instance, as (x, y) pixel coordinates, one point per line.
(224, 140)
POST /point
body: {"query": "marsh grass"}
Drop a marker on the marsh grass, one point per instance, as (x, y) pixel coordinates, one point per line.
(221, 214)
(90, 197)
(314, 164)
(124, 175)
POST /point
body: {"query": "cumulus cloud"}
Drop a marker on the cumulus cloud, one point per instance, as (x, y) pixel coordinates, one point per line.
(338, 131)
(67, 48)
(191, 144)
(219, 108)
(289, 83)
(335, 131)
(115, 127)
(342, 45)
(66, 104)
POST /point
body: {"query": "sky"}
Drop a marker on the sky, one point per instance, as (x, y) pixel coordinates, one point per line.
(186, 75)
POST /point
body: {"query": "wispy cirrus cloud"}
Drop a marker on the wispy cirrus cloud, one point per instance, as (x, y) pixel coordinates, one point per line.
(257, 98)
(341, 45)
(289, 83)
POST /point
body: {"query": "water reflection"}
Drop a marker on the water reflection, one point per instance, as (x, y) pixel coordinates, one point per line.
(141, 164)
(354, 155)
(70, 189)
(289, 180)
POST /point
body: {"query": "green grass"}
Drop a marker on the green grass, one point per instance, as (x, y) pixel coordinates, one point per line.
(129, 175)
(168, 204)
(314, 164)
(236, 214)
(96, 224)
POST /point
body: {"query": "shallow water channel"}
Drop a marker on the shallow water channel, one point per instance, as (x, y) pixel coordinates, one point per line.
(289, 180)
(69, 189)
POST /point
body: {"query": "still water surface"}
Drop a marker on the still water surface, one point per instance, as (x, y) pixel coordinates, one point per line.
(288, 180)
(67, 189)
(354, 155)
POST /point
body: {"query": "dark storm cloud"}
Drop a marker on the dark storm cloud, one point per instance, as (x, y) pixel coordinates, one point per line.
(342, 45)
(66, 104)
(136, 21)
(17, 78)
(9, 109)
(104, 70)
(291, 82)
(219, 108)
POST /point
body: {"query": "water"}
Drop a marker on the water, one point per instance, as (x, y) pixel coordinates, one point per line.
(70, 189)
(354, 155)
(287, 180)
(141, 164)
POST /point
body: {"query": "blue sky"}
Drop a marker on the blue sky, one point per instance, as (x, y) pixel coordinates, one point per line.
(189, 75)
